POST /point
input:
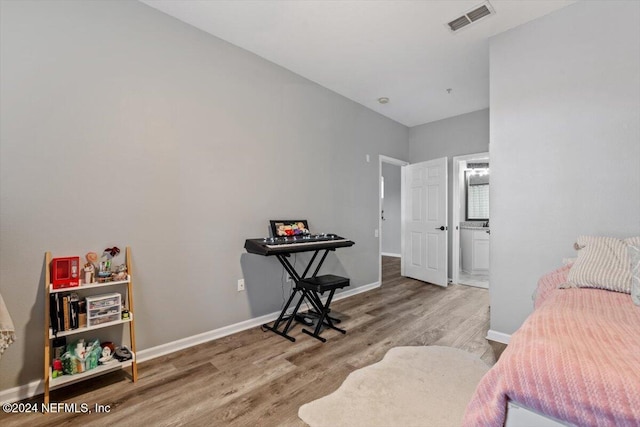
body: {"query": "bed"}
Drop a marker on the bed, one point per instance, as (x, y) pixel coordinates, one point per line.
(575, 361)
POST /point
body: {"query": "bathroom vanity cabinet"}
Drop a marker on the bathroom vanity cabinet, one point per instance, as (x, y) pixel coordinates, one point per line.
(474, 242)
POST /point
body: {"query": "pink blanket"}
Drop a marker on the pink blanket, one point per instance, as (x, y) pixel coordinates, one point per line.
(576, 359)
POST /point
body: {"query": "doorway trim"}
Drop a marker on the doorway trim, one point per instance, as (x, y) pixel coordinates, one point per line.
(397, 162)
(458, 182)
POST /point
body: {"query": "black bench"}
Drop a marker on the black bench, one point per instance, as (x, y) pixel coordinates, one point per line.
(312, 288)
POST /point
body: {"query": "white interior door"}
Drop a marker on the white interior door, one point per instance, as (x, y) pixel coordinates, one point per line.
(424, 221)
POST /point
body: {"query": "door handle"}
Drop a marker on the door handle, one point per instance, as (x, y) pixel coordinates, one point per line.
(442, 227)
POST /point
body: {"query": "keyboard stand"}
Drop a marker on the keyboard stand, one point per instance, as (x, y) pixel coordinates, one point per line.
(310, 289)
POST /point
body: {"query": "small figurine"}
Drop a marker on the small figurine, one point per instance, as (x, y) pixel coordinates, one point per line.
(92, 258)
(108, 254)
(106, 355)
(121, 272)
(89, 273)
(56, 368)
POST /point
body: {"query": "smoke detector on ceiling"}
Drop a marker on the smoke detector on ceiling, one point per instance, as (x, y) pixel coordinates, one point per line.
(474, 15)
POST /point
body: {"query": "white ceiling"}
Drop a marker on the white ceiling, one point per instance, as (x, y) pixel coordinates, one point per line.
(365, 50)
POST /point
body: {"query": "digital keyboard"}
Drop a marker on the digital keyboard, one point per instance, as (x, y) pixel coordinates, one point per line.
(289, 244)
(308, 285)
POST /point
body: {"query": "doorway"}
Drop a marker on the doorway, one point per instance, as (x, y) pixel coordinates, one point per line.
(471, 222)
(389, 209)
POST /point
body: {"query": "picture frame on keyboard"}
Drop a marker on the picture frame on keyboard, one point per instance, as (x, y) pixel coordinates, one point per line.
(289, 227)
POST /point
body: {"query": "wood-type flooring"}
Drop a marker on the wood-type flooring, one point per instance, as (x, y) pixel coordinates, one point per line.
(256, 378)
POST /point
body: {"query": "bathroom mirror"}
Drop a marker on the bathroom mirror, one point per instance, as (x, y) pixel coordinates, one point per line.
(477, 194)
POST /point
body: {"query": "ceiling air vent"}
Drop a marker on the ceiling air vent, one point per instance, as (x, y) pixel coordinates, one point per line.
(472, 16)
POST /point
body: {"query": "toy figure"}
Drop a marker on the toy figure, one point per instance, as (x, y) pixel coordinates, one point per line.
(121, 273)
(92, 258)
(104, 268)
(106, 355)
(89, 273)
(56, 368)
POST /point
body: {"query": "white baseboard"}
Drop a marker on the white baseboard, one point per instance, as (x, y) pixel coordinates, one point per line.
(181, 344)
(390, 254)
(355, 291)
(498, 336)
(36, 387)
(24, 391)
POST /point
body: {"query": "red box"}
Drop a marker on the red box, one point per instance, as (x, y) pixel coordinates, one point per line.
(65, 272)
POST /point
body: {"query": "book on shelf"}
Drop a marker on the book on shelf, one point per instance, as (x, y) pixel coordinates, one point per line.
(54, 313)
(73, 311)
(64, 312)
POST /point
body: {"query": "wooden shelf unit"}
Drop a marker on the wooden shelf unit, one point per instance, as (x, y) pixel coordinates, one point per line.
(89, 328)
(51, 383)
(101, 369)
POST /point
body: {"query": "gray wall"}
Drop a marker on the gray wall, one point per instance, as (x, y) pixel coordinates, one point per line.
(565, 143)
(455, 136)
(391, 226)
(123, 126)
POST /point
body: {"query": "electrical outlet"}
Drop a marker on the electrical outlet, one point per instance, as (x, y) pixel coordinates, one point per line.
(240, 285)
(375, 233)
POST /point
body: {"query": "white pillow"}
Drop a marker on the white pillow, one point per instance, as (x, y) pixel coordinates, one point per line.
(603, 262)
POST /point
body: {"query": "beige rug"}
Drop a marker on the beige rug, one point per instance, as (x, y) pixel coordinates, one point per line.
(411, 386)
